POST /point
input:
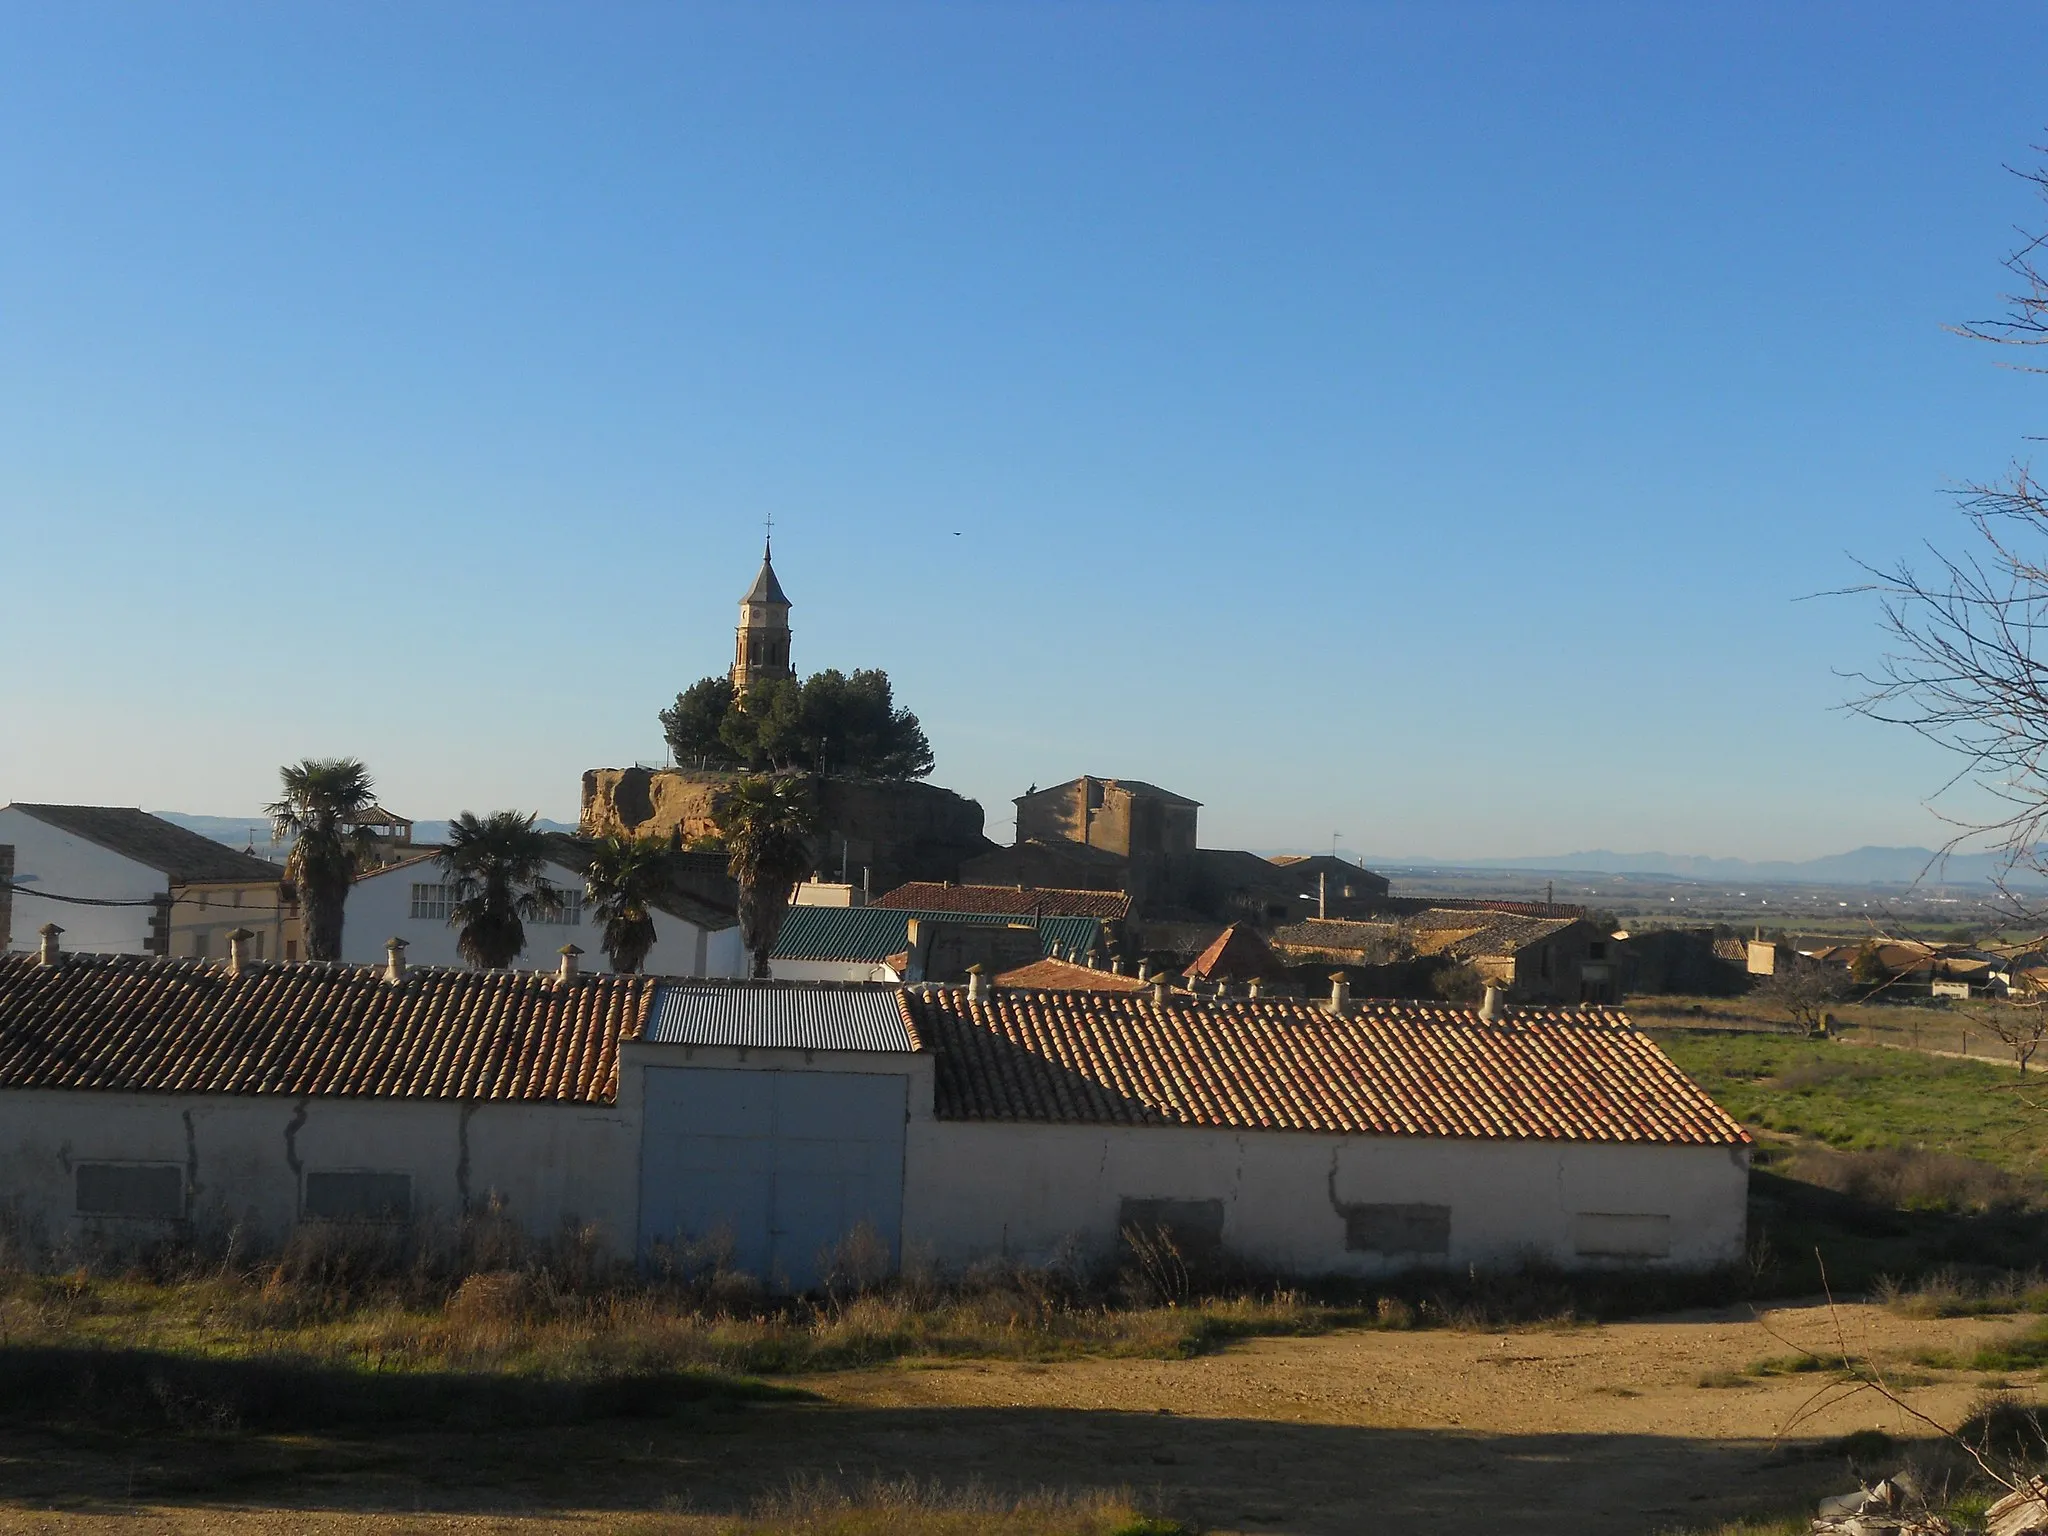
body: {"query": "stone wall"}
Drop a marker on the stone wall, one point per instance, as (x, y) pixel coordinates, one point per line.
(896, 832)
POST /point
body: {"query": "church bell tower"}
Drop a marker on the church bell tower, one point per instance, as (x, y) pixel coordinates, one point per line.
(761, 651)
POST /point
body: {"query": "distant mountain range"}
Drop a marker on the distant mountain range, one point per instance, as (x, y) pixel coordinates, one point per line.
(1865, 866)
(253, 832)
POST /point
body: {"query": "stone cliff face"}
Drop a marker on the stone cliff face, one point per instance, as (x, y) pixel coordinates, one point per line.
(898, 832)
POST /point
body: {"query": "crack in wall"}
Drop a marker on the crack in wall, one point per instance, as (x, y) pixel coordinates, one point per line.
(462, 1154)
(292, 1128)
(192, 1184)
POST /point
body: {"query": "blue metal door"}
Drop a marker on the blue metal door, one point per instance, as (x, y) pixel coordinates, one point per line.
(785, 1163)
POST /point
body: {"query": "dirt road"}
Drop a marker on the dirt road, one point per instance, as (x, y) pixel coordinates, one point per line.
(1583, 1430)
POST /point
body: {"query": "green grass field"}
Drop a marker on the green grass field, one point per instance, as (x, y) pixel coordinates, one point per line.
(1861, 1098)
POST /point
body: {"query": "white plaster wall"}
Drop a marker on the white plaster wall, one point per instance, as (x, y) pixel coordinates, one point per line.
(971, 1191)
(830, 970)
(547, 1163)
(379, 909)
(1024, 1190)
(48, 859)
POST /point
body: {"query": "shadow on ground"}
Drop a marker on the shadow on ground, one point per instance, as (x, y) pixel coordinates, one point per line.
(459, 1448)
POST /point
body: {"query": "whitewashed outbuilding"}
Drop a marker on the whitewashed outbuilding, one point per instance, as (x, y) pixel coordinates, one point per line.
(142, 1096)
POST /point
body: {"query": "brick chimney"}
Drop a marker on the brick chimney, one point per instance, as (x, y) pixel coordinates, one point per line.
(394, 961)
(1162, 989)
(238, 950)
(977, 984)
(565, 975)
(47, 953)
(1490, 1006)
(1252, 988)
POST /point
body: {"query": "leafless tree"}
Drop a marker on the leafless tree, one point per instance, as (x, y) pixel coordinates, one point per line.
(2022, 1027)
(1967, 658)
(1804, 989)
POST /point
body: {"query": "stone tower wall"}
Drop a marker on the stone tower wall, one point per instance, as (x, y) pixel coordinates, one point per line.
(897, 832)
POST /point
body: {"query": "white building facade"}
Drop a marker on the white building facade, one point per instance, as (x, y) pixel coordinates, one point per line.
(120, 881)
(411, 900)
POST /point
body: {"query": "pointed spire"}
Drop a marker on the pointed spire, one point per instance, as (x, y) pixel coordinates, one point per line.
(766, 588)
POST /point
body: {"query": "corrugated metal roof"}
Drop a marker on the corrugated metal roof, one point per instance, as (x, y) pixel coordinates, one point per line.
(873, 934)
(794, 1018)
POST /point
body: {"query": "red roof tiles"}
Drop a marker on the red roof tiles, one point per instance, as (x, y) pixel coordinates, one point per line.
(1237, 952)
(1065, 976)
(1004, 900)
(132, 1024)
(1388, 1068)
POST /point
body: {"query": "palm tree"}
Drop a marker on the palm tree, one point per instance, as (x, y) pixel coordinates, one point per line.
(323, 797)
(766, 824)
(625, 877)
(496, 862)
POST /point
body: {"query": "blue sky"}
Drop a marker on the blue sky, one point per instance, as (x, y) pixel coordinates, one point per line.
(1418, 422)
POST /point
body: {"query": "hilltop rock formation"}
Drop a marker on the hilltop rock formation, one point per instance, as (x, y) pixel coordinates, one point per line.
(897, 832)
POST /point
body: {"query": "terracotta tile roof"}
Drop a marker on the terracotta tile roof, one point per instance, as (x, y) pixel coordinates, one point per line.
(1389, 1068)
(1006, 900)
(135, 1024)
(1051, 975)
(1340, 940)
(1237, 951)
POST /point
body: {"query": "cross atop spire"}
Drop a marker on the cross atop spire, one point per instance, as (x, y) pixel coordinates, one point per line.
(768, 540)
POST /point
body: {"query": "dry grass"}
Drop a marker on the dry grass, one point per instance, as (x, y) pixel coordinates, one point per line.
(1954, 1291)
(508, 1322)
(912, 1508)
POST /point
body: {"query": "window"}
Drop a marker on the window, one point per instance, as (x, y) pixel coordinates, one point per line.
(1195, 1227)
(291, 949)
(354, 1195)
(199, 946)
(1397, 1228)
(1605, 1235)
(1597, 950)
(430, 902)
(148, 1191)
(570, 915)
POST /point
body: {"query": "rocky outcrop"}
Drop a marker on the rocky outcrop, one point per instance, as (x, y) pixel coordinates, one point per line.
(896, 832)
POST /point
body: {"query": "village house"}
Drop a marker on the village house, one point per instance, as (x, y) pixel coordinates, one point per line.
(146, 1097)
(121, 881)
(1130, 836)
(412, 899)
(1537, 959)
(889, 944)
